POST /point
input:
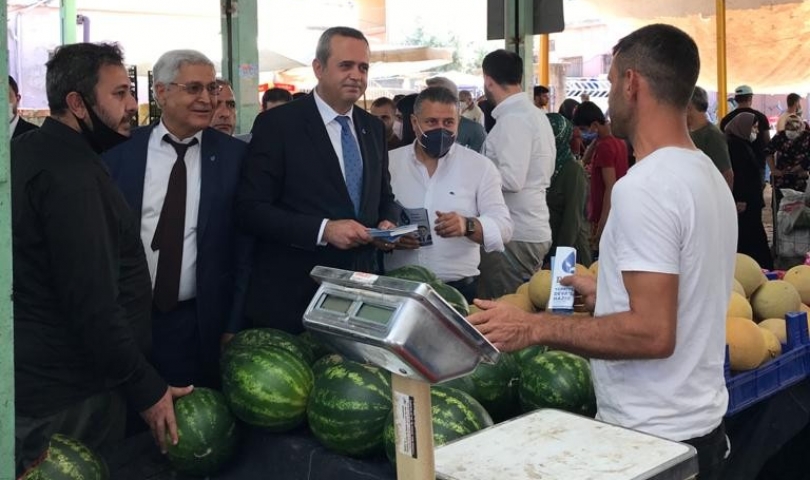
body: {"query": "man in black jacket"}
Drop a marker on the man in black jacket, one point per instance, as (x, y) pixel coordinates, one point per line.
(17, 125)
(82, 292)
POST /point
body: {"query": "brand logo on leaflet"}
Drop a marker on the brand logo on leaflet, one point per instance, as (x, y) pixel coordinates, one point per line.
(569, 263)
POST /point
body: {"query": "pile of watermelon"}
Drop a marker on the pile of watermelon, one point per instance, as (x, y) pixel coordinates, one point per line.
(418, 273)
(69, 459)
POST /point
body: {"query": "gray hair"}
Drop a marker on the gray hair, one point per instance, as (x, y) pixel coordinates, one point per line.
(168, 65)
(443, 82)
(324, 48)
(700, 100)
(435, 94)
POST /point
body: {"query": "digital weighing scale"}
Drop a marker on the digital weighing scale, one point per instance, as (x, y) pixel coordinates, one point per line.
(406, 328)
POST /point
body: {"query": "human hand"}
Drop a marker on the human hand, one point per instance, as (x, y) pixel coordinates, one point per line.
(507, 327)
(585, 286)
(386, 225)
(450, 224)
(345, 234)
(407, 242)
(384, 245)
(161, 415)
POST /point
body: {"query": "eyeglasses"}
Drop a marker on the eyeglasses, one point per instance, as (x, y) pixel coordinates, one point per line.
(196, 88)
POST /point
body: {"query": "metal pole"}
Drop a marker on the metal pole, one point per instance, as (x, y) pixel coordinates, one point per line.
(67, 17)
(240, 57)
(6, 308)
(722, 82)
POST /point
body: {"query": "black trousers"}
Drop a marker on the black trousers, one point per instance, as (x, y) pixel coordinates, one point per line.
(711, 450)
(752, 239)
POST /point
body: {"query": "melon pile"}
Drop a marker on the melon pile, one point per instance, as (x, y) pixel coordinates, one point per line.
(755, 323)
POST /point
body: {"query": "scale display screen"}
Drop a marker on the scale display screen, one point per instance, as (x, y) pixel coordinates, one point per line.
(336, 304)
(376, 313)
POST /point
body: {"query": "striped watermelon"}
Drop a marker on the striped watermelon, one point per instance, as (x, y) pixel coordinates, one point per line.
(67, 459)
(348, 407)
(465, 384)
(325, 362)
(557, 380)
(414, 273)
(455, 414)
(522, 357)
(273, 338)
(266, 386)
(207, 433)
(452, 296)
(318, 348)
(496, 387)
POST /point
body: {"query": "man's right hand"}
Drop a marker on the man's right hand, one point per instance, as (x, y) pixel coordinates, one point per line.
(585, 285)
(345, 234)
(161, 415)
(407, 242)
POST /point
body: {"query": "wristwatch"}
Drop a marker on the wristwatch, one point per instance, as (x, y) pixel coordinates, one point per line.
(470, 226)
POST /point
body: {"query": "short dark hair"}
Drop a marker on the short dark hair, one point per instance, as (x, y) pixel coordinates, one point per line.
(223, 83)
(74, 68)
(792, 99)
(383, 102)
(435, 95)
(666, 56)
(504, 67)
(700, 100)
(12, 84)
(744, 98)
(324, 49)
(276, 95)
(587, 113)
(568, 107)
(398, 97)
(540, 90)
(297, 95)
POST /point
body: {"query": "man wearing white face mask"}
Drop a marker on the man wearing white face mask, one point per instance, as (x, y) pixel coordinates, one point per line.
(17, 126)
(457, 191)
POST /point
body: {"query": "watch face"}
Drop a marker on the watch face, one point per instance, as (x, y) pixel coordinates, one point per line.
(470, 226)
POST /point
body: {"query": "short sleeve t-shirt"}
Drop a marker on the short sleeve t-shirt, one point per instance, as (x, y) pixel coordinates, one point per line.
(712, 142)
(610, 152)
(673, 213)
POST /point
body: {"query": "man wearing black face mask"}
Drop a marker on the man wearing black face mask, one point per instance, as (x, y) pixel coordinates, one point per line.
(82, 295)
(457, 190)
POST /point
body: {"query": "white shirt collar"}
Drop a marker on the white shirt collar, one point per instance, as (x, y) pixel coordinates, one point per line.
(161, 130)
(328, 113)
(515, 98)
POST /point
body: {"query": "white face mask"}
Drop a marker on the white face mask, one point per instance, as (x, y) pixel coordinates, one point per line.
(397, 128)
(753, 137)
(792, 134)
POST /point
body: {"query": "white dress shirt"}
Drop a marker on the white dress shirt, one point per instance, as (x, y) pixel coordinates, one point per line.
(333, 128)
(523, 148)
(464, 182)
(160, 159)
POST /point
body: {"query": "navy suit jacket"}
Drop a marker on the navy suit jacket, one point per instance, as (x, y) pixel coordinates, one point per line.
(223, 255)
(290, 183)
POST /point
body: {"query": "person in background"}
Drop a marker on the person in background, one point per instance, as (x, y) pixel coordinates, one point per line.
(608, 163)
(472, 215)
(744, 96)
(752, 240)
(542, 95)
(82, 298)
(788, 156)
(707, 137)
(224, 118)
(794, 107)
(522, 146)
(658, 334)
(471, 134)
(17, 125)
(567, 194)
(567, 109)
(297, 95)
(404, 111)
(486, 106)
(274, 97)
(469, 109)
(384, 109)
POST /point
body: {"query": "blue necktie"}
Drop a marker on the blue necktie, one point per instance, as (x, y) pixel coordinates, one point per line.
(352, 162)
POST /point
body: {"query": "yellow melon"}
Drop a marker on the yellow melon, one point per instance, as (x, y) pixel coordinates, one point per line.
(540, 289)
(473, 309)
(799, 277)
(772, 346)
(777, 326)
(746, 345)
(583, 270)
(748, 273)
(737, 287)
(523, 289)
(738, 306)
(594, 268)
(521, 301)
(774, 299)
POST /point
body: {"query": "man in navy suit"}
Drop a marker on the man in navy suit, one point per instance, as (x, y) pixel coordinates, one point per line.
(180, 176)
(315, 178)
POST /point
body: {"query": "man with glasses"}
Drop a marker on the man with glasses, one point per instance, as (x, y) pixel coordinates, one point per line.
(180, 175)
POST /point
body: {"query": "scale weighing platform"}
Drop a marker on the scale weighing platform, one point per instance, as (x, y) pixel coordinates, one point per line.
(406, 328)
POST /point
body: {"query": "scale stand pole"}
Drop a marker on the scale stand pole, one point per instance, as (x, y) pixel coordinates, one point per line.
(413, 429)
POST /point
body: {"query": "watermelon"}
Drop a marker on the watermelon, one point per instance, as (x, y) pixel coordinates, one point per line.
(414, 273)
(348, 407)
(455, 415)
(525, 355)
(452, 296)
(207, 433)
(496, 387)
(67, 459)
(325, 362)
(465, 384)
(318, 348)
(557, 380)
(266, 386)
(273, 338)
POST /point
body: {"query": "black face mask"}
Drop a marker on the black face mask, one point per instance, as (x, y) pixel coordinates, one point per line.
(101, 137)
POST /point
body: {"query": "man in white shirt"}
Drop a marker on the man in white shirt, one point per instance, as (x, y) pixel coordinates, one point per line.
(459, 189)
(522, 146)
(657, 338)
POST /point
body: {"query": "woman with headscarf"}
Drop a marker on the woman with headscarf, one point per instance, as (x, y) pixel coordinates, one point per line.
(751, 237)
(788, 156)
(567, 108)
(566, 195)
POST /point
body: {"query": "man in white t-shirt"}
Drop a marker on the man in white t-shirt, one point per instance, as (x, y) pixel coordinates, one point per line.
(523, 148)
(657, 338)
(457, 191)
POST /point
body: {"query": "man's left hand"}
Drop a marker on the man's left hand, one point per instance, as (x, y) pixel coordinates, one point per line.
(505, 326)
(450, 225)
(381, 244)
